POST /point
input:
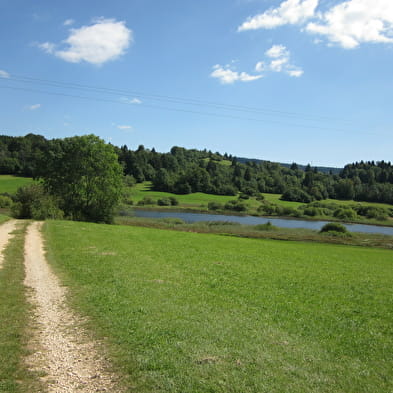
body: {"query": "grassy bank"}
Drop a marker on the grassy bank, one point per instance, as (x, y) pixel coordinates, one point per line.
(262, 231)
(271, 205)
(14, 316)
(187, 312)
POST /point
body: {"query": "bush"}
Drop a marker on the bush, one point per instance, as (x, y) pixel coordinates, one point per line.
(215, 206)
(5, 201)
(146, 201)
(235, 206)
(174, 201)
(265, 227)
(31, 201)
(345, 213)
(334, 227)
(164, 202)
(296, 195)
(244, 196)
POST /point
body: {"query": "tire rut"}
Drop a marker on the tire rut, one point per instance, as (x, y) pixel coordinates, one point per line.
(62, 349)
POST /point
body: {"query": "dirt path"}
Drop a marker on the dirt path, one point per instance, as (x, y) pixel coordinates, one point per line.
(5, 235)
(62, 349)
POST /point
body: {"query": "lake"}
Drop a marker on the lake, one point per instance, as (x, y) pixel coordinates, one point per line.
(251, 220)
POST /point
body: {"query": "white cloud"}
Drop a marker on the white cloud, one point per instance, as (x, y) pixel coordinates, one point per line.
(277, 65)
(289, 12)
(135, 101)
(354, 22)
(68, 22)
(34, 107)
(277, 51)
(295, 73)
(47, 47)
(260, 66)
(102, 41)
(124, 127)
(228, 76)
(279, 61)
(4, 74)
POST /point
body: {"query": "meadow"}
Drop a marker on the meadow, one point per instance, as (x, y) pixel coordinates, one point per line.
(188, 312)
(9, 183)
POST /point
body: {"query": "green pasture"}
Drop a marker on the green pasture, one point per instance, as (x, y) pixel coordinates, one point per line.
(199, 199)
(188, 312)
(10, 184)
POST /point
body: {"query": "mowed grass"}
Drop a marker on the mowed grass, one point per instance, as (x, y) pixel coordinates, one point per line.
(14, 317)
(10, 184)
(141, 190)
(186, 312)
(200, 199)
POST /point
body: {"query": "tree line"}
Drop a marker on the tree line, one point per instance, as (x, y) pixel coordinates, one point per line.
(184, 171)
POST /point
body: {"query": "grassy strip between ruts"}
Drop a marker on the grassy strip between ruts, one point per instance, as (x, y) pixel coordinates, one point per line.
(198, 313)
(14, 317)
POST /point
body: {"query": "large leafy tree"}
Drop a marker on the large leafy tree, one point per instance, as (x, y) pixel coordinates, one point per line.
(84, 172)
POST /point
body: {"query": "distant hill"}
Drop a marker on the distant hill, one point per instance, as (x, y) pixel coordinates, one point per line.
(323, 169)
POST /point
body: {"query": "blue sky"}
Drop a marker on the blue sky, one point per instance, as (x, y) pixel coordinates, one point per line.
(307, 81)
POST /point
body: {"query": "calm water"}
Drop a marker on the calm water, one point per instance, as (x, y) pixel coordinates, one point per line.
(250, 220)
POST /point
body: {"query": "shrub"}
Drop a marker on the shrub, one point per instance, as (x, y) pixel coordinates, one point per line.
(174, 201)
(31, 201)
(244, 196)
(265, 227)
(345, 213)
(5, 201)
(296, 195)
(146, 201)
(334, 227)
(215, 206)
(235, 206)
(164, 202)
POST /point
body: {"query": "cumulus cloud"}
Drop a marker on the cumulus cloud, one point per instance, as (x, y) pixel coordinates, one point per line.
(102, 41)
(347, 24)
(277, 51)
(34, 107)
(4, 74)
(226, 75)
(124, 127)
(279, 61)
(288, 12)
(354, 22)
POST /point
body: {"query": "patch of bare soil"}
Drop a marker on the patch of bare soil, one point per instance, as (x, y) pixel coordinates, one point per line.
(63, 351)
(6, 230)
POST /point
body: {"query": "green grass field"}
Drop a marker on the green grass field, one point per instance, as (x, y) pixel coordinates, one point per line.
(10, 184)
(186, 312)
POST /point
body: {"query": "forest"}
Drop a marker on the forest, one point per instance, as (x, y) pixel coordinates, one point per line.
(184, 171)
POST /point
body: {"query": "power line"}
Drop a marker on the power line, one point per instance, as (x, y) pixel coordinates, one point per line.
(171, 109)
(170, 99)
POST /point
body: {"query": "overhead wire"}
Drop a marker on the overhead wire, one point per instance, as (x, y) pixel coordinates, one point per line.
(171, 109)
(170, 99)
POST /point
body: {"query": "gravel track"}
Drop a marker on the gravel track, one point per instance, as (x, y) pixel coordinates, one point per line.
(62, 350)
